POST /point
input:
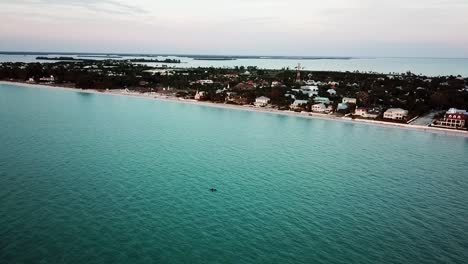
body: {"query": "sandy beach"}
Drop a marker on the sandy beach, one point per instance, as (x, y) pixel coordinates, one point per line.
(251, 108)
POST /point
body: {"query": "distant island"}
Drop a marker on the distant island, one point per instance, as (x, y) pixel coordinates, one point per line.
(91, 60)
(214, 59)
(155, 60)
(60, 58)
(100, 56)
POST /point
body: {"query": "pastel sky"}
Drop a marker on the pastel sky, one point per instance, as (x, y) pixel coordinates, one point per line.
(431, 28)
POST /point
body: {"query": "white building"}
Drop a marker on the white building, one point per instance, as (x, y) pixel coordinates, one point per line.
(360, 111)
(453, 118)
(319, 108)
(395, 114)
(331, 91)
(347, 100)
(262, 101)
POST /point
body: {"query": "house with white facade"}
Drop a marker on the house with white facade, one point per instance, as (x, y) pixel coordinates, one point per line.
(395, 113)
(262, 101)
(453, 118)
(320, 108)
(361, 111)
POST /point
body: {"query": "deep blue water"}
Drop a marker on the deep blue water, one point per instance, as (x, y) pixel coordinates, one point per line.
(87, 178)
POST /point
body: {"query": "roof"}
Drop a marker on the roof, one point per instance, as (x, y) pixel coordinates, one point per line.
(299, 102)
(456, 116)
(396, 110)
(456, 111)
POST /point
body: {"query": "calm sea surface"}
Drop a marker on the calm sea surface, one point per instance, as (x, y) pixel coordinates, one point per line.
(88, 178)
(425, 66)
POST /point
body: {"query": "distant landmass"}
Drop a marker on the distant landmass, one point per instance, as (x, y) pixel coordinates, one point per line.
(192, 56)
(155, 60)
(61, 59)
(88, 60)
(214, 59)
(101, 56)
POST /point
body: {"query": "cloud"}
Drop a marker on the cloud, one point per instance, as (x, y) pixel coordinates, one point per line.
(310, 27)
(106, 6)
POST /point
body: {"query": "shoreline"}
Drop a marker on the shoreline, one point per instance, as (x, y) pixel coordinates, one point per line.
(308, 115)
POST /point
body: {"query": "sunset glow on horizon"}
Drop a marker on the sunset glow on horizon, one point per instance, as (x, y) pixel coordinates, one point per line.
(428, 28)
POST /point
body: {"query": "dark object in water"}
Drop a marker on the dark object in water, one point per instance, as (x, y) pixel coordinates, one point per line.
(213, 190)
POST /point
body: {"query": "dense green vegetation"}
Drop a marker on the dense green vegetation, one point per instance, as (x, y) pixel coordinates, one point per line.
(416, 93)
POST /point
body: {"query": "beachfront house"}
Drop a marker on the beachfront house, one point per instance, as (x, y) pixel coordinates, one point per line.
(298, 104)
(395, 114)
(262, 101)
(47, 80)
(319, 108)
(323, 100)
(348, 100)
(361, 111)
(342, 107)
(453, 118)
(200, 95)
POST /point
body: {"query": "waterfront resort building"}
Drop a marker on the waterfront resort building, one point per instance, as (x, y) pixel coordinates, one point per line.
(322, 108)
(453, 118)
(361, 111)
(262, 101)
(396, 114)
(367, 112)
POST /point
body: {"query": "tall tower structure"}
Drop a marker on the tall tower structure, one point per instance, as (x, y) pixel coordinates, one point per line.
(298, 76)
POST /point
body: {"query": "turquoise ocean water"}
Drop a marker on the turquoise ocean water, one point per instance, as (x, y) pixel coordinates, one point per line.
(87, 178)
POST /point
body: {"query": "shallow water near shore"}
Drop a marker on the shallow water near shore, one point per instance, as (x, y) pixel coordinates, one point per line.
(89, 178)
